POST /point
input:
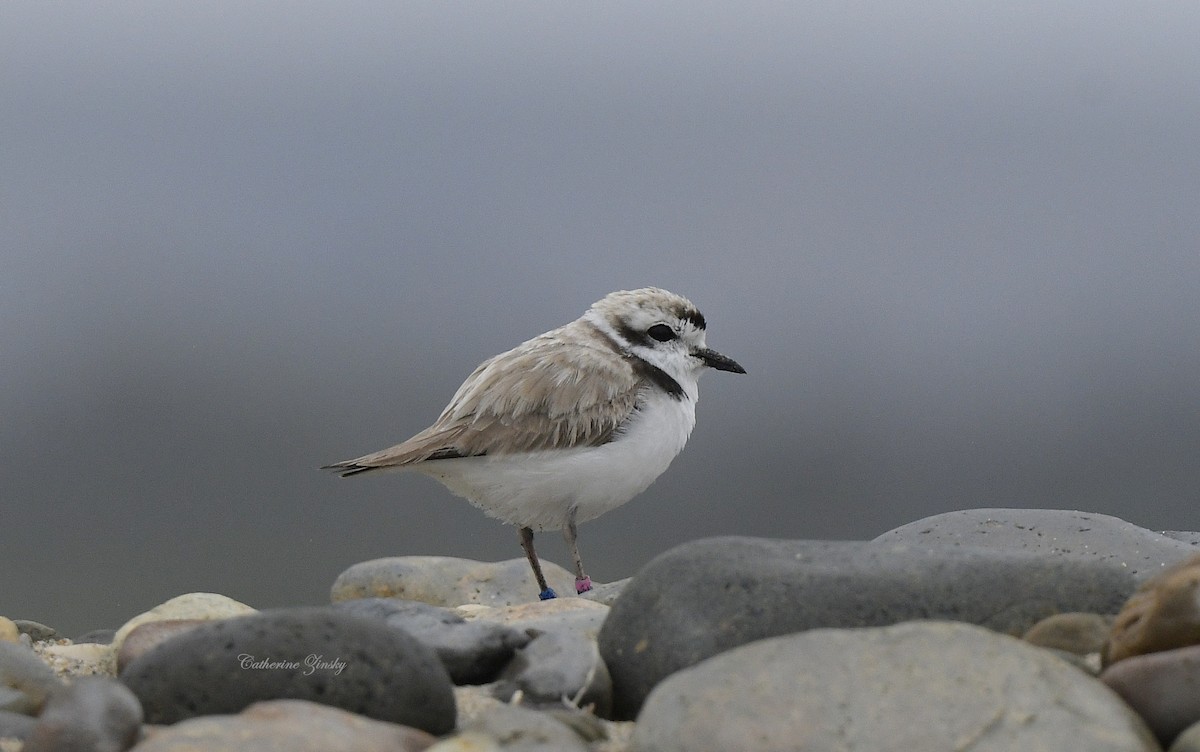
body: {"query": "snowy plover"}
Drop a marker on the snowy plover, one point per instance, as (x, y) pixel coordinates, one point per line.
(570, 424)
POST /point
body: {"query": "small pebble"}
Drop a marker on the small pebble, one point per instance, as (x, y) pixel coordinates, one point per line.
(1163, 687)
(1077, 633)
(447, 581)
(37, 632)
(9, 631)
(205, 606)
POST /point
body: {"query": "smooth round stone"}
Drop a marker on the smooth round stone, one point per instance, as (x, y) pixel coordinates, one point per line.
(708, 596)
(26, 682)
(287, 726)
(92, 714)
(1163, 687)
(472, 652)
(1076, 633)
(911, 686)
(447, 581)
(314, 654)
(203, 606)
(1163, 614)
(556, 666)
(1063, 533)
(9, 631)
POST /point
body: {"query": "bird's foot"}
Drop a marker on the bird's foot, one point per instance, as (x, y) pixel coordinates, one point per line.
(547, 594)
(584, 585)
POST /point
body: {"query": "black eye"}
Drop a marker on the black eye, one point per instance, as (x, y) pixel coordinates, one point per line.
(661, 332)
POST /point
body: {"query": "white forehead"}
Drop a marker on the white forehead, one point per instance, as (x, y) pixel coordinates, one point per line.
(648, 306)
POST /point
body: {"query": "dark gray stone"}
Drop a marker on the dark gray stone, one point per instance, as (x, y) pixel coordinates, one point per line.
(25, 680)
(708, 596)
(473, 652)
(15, 725)
(92, 714)
(364, 667)
(36, 631)
(915, 686)
(1059, 533)
(558, 667)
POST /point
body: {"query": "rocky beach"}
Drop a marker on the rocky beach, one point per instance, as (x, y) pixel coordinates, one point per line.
(983, 629)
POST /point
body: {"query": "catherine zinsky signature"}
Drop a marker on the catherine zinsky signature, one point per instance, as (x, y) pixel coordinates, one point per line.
(311, 664)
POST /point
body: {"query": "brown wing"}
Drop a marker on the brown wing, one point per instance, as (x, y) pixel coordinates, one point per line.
(546, 393)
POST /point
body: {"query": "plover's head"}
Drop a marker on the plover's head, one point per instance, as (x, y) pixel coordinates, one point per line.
(662, 328)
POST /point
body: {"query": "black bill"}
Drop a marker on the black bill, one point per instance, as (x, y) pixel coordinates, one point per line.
(714, 359)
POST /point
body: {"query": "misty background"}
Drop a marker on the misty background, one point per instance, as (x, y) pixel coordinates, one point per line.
(956, 245)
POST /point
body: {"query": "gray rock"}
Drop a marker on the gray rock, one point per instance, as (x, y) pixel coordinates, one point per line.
(1164, 688)
(473, 652)
(1050, 532)
(518, 729)
(447, 581)
(558, 668)
(36, 631)
(92, 714)
(606, 594)
(286, 726)
(15, 725)
(708, 596)
(314, 654)
(912, 686)
(25, 681)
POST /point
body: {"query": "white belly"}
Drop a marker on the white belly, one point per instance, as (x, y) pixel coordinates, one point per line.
(540, 489)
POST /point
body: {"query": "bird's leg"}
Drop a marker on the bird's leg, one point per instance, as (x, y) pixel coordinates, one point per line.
(583, 583)
(527, 544)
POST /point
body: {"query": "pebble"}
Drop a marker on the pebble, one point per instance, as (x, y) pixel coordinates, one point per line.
(1076, 633)
(447, 581)
(558, 668)
(708, 596)
(206, 606)
(9, 631)
(286, 726)
(88, 659)
(145, 637)
(473, 652)
(1057, 533)
(1163, 687)
(912, 686)
(1163, 614)
(92, 714)
(37, 632)
(315, 654)
(25, 681)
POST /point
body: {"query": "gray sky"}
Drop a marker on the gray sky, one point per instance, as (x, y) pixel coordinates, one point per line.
(956, 245)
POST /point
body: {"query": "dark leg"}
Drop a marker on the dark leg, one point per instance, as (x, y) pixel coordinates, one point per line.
(583, 583)
(527, 544)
